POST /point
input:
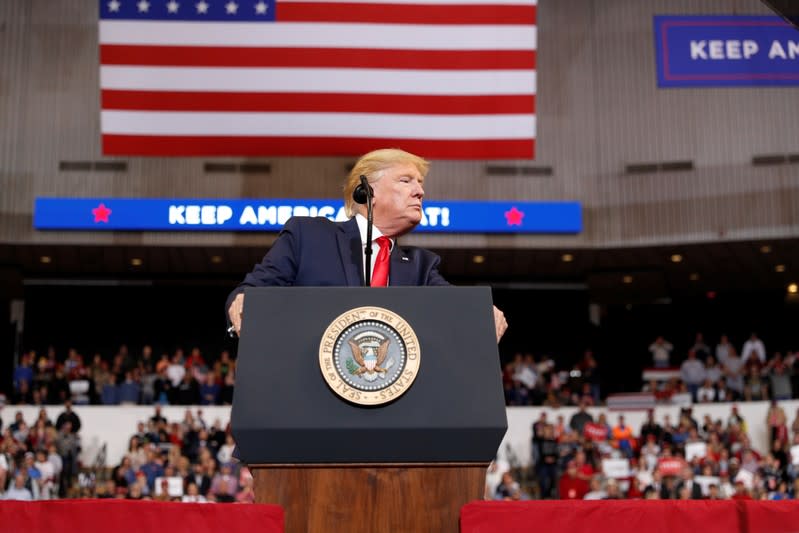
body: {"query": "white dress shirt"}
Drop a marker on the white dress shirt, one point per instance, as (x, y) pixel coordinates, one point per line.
(361, 220)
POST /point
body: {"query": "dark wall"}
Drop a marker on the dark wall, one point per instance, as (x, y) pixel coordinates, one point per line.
(626, 333)
(101, 318)
(553, 322)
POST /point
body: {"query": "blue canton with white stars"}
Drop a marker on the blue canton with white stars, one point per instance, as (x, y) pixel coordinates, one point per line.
(189, 10)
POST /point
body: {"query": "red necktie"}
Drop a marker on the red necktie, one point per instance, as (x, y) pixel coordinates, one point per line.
(380, 272)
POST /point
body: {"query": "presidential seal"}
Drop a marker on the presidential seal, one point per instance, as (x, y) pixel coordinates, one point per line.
(369, 356)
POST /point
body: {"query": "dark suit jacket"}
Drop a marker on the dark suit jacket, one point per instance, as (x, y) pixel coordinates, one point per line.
(203, 483)
(315, 252)
(696, 490)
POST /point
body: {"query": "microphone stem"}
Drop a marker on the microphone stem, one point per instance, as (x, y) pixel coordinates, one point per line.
(367, 278)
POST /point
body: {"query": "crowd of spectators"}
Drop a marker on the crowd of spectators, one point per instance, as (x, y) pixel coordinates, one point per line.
(187, 460)
(586, 458)
(702, 376)
(40, 460)
(591, 458)
(530, 382)
(722, 375)
(174, 379)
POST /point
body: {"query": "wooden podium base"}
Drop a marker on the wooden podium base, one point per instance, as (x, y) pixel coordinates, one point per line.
(370, 498)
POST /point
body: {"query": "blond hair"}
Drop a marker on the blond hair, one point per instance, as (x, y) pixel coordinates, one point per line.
(372, 166)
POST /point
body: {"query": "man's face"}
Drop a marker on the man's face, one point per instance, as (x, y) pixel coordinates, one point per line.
(398, 200)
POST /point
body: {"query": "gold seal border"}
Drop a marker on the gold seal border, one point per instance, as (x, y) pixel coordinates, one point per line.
(375, 314)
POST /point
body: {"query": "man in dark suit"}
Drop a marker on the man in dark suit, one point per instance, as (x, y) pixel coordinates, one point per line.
(319, 252)
(199, 477)
(688, 484)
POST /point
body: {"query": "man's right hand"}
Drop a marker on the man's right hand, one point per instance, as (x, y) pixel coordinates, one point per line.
(235, 311)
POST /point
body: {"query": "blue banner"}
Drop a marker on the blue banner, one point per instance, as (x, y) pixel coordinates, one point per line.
(181, 214)
(712, 51)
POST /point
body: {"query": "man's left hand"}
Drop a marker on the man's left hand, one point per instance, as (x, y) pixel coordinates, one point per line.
(500, 323)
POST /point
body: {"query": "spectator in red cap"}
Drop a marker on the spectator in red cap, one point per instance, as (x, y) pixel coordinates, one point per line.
(740, 491)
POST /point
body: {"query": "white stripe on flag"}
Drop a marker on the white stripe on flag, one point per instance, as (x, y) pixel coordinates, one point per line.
(320, 35)
(318, 80)
(319, 124)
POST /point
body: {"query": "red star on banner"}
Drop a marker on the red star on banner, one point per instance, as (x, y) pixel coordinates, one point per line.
(514, 216)
(101, 213)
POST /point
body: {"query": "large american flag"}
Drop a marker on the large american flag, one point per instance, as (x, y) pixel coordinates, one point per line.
(447, 79)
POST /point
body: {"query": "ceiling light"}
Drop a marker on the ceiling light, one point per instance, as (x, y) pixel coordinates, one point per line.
(627, 279)
(567, 258)
(676, 258)
(136, 261)
(46, 259)
(766, 249)
(694, 276)
(216, 259)
(793, 288)
(479, 259)
(779, 268)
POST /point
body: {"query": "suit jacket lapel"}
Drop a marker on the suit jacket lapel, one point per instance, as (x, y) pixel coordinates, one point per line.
(349, 246)
(402, 271)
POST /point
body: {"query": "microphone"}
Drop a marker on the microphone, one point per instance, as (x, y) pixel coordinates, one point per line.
(363, 194)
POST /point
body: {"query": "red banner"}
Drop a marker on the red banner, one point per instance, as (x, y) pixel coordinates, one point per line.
(595, 432)
(631, 516)
(670, 466)
(124, 516)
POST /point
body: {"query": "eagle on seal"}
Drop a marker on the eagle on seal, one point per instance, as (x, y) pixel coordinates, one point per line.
(367, 360)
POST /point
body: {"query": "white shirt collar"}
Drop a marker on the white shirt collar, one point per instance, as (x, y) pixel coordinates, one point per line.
(361, 220)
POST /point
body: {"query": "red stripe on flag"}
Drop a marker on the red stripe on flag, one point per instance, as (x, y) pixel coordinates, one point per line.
(321, 102)
(208, 56)
(404, 13)
(311, 146)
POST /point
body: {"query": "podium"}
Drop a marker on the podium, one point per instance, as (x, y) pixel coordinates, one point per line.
(408, 464)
